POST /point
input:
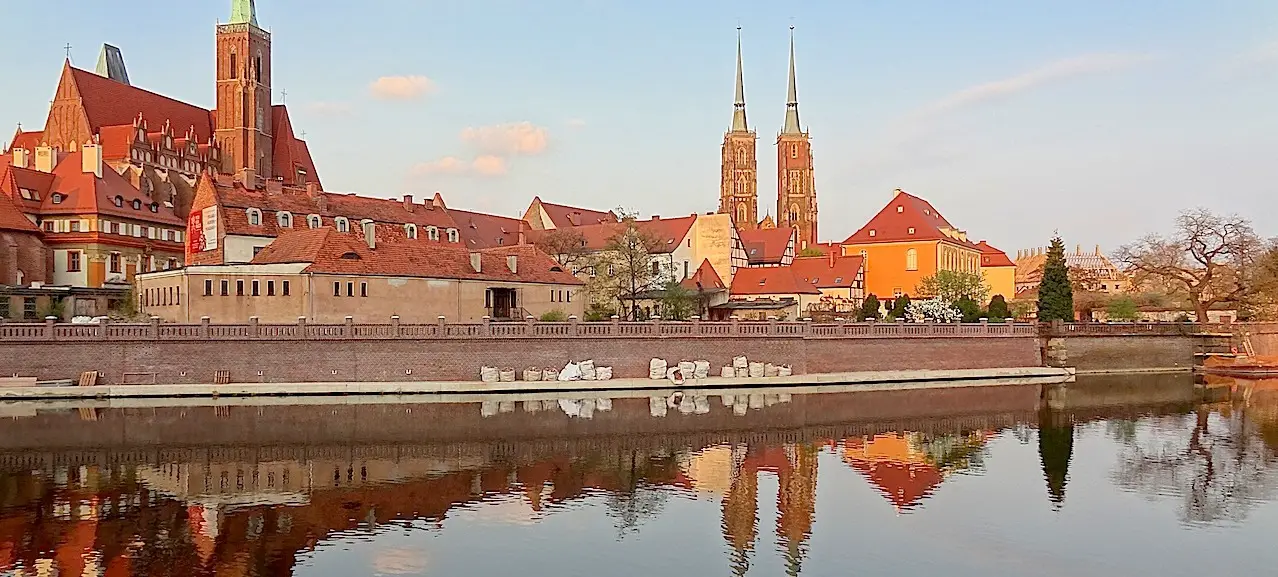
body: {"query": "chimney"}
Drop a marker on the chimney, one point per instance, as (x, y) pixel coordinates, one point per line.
(408, 202)
(45, 158)
(370, 234)
(91, 159)
(1098, 252)
(248, 177)
(656, 217)
(512, 263)
(476, 261)
(312, 189)
(523, 232)
(832, 257)
(1078, 249)
(21, 158)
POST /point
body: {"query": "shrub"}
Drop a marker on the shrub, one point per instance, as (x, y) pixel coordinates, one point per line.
(555, 316)
(998, 311)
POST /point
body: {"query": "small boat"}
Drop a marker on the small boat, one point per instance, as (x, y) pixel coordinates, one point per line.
(1240, 370)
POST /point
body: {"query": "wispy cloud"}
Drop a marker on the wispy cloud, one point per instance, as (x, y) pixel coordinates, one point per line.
(1263, 56)
(483, 165)
(401, 87)
(508, 139)
(1052, 72)
(329, 109)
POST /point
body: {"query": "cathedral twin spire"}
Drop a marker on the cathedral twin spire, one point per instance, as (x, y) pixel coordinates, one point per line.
(791, 124)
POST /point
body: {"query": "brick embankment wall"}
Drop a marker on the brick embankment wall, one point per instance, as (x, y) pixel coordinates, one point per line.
(1120, 352)
(278, 360)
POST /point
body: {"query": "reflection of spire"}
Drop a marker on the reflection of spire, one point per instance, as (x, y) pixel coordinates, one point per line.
(1055, 448)
(740, 512)
(796, 504)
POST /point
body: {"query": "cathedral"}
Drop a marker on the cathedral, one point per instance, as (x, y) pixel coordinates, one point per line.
(796, 188)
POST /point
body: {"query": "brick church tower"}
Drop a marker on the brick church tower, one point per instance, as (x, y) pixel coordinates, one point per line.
(244, 115)
(796, 188)
(738, 184)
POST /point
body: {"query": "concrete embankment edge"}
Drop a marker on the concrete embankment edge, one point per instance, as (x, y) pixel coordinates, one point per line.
(834, 382)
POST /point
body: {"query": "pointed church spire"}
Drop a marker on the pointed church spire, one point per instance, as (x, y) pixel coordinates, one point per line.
(739, 123)
(243, 12)
(791, 97)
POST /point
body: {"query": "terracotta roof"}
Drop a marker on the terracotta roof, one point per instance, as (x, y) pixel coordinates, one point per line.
(991, 256)
(906, 212)
(705, 279)
(828, 271)
(567, 216)
(12, 178)
(82, 193)
(116, 141)
(331, 252)
(300, 203)
(479, 230)
(906, 485)
(667, 232)
(290, 152)
(27, 139)
(110, 103)
(777, 280)
(11, 217)
(766, 245)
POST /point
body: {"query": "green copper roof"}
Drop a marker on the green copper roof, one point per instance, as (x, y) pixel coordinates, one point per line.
(791, 125)
(243, 12)
(738, 106)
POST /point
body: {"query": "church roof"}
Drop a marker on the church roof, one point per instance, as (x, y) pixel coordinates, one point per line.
(791, 125)
(28, 139)
(68, 190)
(290, 152)
(110, 103)
(908, 218)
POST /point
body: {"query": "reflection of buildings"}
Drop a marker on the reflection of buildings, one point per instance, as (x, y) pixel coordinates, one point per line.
(907, 468)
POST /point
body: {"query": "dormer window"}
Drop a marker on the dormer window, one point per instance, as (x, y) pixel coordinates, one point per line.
(452, 235)
(313, 221)
(155, 207)
(284, 219)
(57, 198)
(410, 230)
(342, 224)
(254, 217)
(137, 204)
(432, 233)
(927, 212)
(900, 209)
(118, 201)
(350, 256)
(29, 194)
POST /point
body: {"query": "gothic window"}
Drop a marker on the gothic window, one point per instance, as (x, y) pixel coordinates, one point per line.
(912, 259)
(794, 213)
(794, 151)
(741, 155)
(235, 64)
(257, 69)
(285, 219)
(742, 215)
(254, 217)
(741, 185)
(313, 221)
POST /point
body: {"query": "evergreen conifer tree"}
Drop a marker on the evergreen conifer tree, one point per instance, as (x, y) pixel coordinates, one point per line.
(1055, 295)
(869, 309)
(998, 309)
(899, 307)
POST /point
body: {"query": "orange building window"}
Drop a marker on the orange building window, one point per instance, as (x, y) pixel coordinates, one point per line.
(114, 262)
(73, 261)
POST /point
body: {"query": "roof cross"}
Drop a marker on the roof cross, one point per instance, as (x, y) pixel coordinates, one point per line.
(68, 49)
(284, 95)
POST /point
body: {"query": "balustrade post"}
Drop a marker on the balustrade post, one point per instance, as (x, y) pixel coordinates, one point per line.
(442, 325)
(530, 323)
(104, 327)
(656, 325)
(155, 327)
(772, 325)
(574, 325)
(395, 331)
(985, 326)
(254, 330)
(302, 333)
(204, 328)
(899, 326)
(348, 330)
(696, 325)
(807, 327)
(50, 331)
(487, 329)
(734, 325)
(615, 325)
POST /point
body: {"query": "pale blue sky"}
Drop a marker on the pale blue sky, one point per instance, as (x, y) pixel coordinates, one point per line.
(1127, 111)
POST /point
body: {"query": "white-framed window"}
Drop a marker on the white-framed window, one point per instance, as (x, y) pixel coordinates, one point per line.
(910, 230)
(452, 235)
(912, 259)
(872, 233)
(313, 221)
(285, 219)
(254, 216)
(410, 230)
(342, 224)
(432, 233)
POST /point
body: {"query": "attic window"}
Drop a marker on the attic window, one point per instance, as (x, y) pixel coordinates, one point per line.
(313, 221)
(410, 230)
(838, 280)
(871, 232)
(900, 208)
(284, 219)
(155, 207)
(911, 230)
(556, 269)
(342, 224)
(432, 233)
(58, 198)
(254, 216)
(29, 194)
(927, 212)
(452, 235)
(350, 256)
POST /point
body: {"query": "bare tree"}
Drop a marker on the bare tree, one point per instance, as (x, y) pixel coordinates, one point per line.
(1210, 259)
(567, 246)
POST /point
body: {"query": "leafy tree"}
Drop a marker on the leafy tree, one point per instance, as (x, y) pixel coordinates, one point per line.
(623, 269)
(1055, 295)
(1122, 309)
(969, 309)
(599, 312)
(898, 307)
(951, 286)
(811, 252)
(869, 309)
(998, 311)
(554, 316)
(567, 246)
(677, 302)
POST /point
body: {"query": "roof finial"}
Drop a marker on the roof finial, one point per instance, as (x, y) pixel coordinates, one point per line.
(792, 97)
(68, 49)
(739, 123)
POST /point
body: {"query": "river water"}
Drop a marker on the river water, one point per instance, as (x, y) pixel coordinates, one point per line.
(1119, 475)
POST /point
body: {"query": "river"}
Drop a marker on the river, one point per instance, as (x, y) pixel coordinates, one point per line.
(1114, 475)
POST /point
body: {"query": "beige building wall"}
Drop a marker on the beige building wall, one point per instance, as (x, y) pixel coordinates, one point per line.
(712, 240)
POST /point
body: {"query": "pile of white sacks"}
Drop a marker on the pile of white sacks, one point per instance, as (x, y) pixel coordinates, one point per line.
(574, 408)
(742, 368)
(583, 371)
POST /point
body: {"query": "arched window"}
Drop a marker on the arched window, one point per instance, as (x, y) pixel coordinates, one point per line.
(912, 259)
(313, 221)
(254, 217)
(235, 65)
(432, 233)
(741, 185)
(794, 213)
(257, 69)
(342, 224)
(284, 219)
(452, 235)
(137, 204)
(741, 154)
(742, 215)
(410, 230)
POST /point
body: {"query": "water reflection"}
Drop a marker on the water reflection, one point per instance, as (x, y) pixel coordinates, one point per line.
(273, 490)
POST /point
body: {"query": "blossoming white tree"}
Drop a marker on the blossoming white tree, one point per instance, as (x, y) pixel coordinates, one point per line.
(932, 310)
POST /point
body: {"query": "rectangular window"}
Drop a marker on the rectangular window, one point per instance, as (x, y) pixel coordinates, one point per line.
(270, 288)
(73, 261)
(208, 287)
(257, 249)
(897, 292)
(179, 295)
(115, 262)
(337, 289)
(350, 289)
(363, 289)
(226, 287)
(239, 288)
(284, 288)
(4, 307)
(75, 226)
(569, 296)
(48, 226)
(552, 295)
(685, 269)
(257, 286)
(29, 308)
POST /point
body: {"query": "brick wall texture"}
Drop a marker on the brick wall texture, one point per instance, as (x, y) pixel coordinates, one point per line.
(1129, 352)
(180, 362)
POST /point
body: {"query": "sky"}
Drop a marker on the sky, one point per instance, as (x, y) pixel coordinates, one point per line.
(1096, 119)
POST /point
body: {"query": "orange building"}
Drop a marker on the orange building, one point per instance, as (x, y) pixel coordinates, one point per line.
(998, 271)
(906, 242)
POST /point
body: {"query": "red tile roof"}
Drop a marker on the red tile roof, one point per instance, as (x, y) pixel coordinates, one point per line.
(300, 203)
(991, 256)
(667, 233)
(290, 152)
(828, 271)
(705, 279)
(479, 230)
(331, 252)
(777, 280)
(566, 216)
(110, 103)
(116, 141)
(766, 245)
(905, 212)
(11, 217)
(28, 140)
(87, 194)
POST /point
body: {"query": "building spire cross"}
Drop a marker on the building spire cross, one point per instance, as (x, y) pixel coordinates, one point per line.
(792, 97)
(68, 50)
(739, 123)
